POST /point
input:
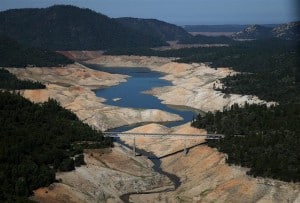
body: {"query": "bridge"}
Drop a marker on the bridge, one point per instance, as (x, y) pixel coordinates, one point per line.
(161, 135)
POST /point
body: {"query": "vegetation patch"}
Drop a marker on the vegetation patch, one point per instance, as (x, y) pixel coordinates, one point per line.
(266, 140)
(13, 54)
(10, 81)
(36, 141)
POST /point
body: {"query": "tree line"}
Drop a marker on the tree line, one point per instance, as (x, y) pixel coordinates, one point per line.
(14, 54)
(264, 139)
(9, 81)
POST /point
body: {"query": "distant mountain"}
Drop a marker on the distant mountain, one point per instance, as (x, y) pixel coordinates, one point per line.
(202, 39)
(153, 27)
(288, 31)
(220, 28)
(71, 28)
(254, 32)
(214, 28)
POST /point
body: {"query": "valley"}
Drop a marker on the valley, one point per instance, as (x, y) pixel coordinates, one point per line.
(71, 77)
(204, 176)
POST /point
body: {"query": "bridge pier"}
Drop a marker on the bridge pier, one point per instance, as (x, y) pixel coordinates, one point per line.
(133, 147)
(185, 148)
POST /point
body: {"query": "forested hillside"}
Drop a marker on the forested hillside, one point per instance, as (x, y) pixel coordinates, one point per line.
(36, 141)
(70, 28)
(266, 140)
(157, 28)
(9, 81)
(14, 54)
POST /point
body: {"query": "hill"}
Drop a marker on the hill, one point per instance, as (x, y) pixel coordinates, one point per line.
(36, 141)
(64, 27)
(153, 27)
(254, 32)
(14, 54)
(288, 31)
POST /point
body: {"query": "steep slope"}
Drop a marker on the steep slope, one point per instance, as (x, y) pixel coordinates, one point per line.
(65, 27)
(290, 31)
(254, 32)
(160, 29)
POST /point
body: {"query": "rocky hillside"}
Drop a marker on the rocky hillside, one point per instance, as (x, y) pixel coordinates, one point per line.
(70, 28)
(254, 32)
(153, 27)
(288, 31)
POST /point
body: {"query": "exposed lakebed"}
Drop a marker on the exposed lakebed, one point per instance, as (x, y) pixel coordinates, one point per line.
(130, 94)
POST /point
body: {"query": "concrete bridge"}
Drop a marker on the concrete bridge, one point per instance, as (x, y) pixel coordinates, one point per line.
(183, 137)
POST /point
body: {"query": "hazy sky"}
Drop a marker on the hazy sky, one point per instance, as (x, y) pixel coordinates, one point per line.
(182, 12)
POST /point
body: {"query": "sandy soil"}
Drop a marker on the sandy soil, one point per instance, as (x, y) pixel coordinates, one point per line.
(107, 175)
(193, 82)
(72, 87)
(204, 175)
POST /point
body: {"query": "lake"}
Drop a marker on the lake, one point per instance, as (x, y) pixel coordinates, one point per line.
(130, 93)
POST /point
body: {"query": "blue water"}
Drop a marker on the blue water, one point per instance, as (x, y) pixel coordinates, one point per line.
(131, 95)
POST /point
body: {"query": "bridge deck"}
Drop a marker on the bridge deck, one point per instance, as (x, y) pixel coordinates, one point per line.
(163, 135)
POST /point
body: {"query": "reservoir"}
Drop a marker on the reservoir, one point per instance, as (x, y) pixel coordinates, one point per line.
(130, 94)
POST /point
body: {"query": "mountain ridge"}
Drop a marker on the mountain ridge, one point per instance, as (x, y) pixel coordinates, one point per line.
(64, 27)
(165, 31)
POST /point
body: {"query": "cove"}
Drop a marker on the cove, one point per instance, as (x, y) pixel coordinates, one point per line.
(130, 93)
